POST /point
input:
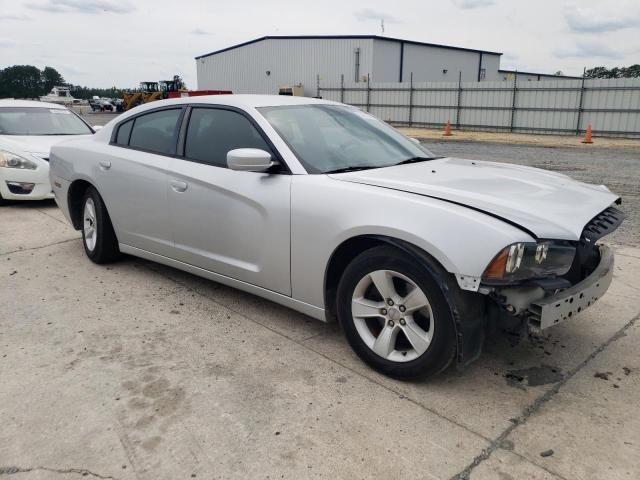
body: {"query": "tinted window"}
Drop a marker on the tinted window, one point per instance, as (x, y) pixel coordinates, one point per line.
(156, 131)
(213, 132)
(123, 133)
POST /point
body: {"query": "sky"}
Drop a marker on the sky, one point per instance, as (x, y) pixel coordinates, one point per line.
(104, 43)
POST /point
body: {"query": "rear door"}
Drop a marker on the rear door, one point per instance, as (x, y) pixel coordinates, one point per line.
(133, 179)
(233, 223)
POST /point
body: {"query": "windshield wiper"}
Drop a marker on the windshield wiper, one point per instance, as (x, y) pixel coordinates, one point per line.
(350, 169)
(415, 160)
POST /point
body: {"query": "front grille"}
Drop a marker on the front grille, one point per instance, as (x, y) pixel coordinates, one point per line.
(602, 224)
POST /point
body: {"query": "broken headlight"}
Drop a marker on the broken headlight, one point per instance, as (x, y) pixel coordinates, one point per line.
(524, 261)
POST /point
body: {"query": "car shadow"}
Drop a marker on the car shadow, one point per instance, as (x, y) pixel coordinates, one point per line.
(31, 204)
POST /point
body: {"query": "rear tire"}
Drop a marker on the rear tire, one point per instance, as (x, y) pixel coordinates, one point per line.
(98, 237)
(395, 315)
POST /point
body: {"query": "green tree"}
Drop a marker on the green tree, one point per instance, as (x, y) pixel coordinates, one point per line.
(632, 71)
(86, 93)
(51, 78)
(21, 81)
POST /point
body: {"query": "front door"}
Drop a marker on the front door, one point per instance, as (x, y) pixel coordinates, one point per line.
(230, 222)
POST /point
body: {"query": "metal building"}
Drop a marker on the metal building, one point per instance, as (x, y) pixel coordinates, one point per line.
(265, 64)
(509, 75)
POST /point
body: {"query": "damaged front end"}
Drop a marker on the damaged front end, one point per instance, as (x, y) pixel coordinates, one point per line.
(535, 286)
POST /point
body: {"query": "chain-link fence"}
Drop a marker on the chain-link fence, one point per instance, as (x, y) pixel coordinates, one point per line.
(611, 106)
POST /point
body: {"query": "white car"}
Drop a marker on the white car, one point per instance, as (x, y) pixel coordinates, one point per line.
(28, 129)
(328, 210)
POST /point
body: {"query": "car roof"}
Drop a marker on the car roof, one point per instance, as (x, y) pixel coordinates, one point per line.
(254, 101)
(244, 101)
(29, 103)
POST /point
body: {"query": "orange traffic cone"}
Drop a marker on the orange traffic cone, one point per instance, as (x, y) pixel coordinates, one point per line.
(447, 129)
(587, 135)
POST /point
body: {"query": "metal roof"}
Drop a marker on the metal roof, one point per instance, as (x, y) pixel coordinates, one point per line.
(343, 37)
(502, 70)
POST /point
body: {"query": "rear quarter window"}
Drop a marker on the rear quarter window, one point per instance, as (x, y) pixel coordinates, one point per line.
(155, 131)
(124, 130)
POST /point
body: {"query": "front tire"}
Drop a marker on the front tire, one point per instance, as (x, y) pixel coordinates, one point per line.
(98, 237)
(395, 315)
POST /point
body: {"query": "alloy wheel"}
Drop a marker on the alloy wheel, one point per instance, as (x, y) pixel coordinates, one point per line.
(392, 315)
(89, 224)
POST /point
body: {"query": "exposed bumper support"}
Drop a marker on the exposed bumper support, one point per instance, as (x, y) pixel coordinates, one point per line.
(549, 311)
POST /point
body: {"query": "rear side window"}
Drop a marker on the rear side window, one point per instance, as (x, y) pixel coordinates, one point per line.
(123, 133)
(212, 133)
(156, 131)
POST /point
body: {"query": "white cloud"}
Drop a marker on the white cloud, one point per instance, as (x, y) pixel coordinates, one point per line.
(367, 14)
(83, 6)
(471, 4)
(600, 21)
(13, 17)
(589, 50)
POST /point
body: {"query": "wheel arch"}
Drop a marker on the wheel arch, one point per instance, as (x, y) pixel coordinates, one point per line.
(468, 309)
(350, 248)
(75, 194)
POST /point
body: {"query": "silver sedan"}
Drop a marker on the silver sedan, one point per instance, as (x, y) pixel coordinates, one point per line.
(326, 209)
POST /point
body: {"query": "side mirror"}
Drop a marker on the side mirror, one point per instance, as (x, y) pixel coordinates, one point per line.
(415, 140)
(249, 160)
(97, 127)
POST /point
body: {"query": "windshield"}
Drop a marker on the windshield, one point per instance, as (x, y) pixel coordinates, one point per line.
(40, 121)
(328, 138)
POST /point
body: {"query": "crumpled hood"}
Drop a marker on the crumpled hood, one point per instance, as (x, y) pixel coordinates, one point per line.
(548, 204)
(39, 145)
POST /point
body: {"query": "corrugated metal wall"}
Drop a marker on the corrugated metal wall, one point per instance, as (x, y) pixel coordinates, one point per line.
(611, 106)
(293, 61)
(288, 61)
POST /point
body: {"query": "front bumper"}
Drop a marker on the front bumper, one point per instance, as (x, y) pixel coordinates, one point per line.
(11, 178)
(552, 310)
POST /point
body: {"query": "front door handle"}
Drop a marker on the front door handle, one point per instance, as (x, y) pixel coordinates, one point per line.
(179, 186)
(105, 164)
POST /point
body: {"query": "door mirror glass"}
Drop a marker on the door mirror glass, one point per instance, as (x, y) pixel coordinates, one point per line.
(249, 160)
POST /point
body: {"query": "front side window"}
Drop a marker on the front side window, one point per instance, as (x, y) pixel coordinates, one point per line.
(155, 131)
(328, 138)
(213, 132)
(41, 121)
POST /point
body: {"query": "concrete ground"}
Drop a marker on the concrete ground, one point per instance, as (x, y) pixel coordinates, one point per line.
(539, 140)
(139, 371)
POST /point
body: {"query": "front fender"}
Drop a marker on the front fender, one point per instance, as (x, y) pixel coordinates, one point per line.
(326, 212)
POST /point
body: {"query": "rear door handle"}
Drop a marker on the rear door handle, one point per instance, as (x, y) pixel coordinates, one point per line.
(105, 164)
(179, 186)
